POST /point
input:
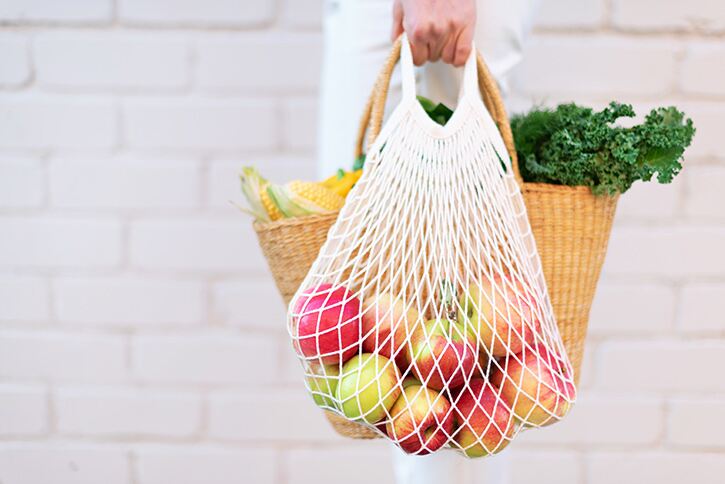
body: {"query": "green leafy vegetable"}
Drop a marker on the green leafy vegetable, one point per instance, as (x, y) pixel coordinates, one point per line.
(440, 113)
(574, 145)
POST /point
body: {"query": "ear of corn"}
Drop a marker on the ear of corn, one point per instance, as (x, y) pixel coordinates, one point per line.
(324, 199)
(270, 206)
(342, 182)
(253, 188)
(269, 201)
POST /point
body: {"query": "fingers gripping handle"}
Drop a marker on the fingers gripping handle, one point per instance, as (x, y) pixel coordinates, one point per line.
(474, 79)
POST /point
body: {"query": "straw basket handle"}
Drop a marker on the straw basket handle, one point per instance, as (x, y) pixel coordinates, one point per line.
(372, 119)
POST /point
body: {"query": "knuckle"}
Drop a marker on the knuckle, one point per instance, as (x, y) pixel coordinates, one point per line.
(420, 32)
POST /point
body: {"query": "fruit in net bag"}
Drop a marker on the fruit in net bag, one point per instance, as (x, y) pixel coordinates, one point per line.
(322, 382)
(435, 243)
(326, 324)
(485, 422)
(534, 383)
(501, 313)
(369, 385)
(422, 421)
(441, 353)
(384, 320)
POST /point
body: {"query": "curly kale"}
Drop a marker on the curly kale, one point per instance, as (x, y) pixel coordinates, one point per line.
(574, 145)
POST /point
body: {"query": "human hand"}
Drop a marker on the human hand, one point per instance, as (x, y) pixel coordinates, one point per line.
(437, 29)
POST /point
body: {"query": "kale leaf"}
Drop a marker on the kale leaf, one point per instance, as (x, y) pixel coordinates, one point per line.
(574, 145)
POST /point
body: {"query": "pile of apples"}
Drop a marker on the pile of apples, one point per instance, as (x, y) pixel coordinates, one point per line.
(472, 377)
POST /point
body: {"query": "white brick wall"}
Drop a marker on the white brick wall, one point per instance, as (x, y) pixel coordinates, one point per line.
(142, 340)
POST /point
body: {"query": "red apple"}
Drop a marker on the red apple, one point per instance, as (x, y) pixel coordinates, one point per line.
(536, 385)
(500, 311)
(421, 420)
(326, 324)
(441, 354)
(486, 425)
(381, 316)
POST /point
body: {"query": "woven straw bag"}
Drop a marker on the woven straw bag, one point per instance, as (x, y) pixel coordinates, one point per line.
(570, 224)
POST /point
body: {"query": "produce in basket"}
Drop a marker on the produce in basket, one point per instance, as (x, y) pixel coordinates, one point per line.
(437, 211)
(413, 380)
(369, 386)
(421, 421)
(567, 145)
(574, 145)
(328, 324)
(269, 201)
(532, 381)
(486, 424)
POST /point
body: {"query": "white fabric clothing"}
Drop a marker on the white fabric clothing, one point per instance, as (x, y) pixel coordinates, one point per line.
(356, 43)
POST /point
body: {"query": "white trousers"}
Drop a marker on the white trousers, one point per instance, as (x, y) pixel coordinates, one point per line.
(357, 41)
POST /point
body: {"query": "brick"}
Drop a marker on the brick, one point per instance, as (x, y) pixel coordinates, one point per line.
(292, 371)
(661, 366)
(204, 465)
(312, 465)
(44, 122)
(128, 300)
(605, 66)
(702, 307)
(224, 176)
(208, 358)
(110, 60)
(303, 14)
(63, 464)
(59, 242)
(628, 309)
(567, 14)
(121, 412)
(696, 423)
(705, 197)
(14, 62)
(588, 370)
(603, 420)
(236, 13)
(652, 250)
(210, 124)
(59, 356)
(544, 467)
(219, 65)
(23, 410)
(22, 183)
(702, 70)
(659, 467)
(299, 131)
(289, 415)
(708, 119)
(23, 298)
(137, 184)
(649, 15)
(651, 201)
(196, 244)
(68, 11)
(249, 303)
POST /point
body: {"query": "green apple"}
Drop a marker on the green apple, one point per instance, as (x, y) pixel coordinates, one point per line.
(368, 387)
(322, 383)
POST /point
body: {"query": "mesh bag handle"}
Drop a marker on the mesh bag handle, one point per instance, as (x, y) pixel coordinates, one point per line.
(372, 119)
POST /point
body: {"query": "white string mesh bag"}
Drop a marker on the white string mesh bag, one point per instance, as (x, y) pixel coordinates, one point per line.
(426, 314)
